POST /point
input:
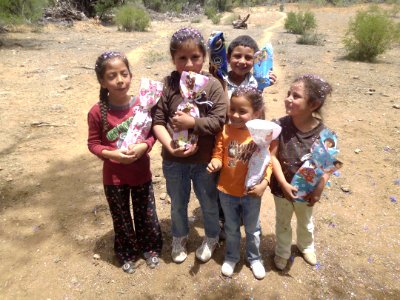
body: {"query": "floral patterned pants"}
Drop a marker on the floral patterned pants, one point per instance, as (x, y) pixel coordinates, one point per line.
(144, 233)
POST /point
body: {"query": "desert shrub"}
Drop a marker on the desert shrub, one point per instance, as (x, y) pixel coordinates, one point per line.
(300, 22)
(155, 5)
(212, 14)
(16, 11)
(104, 7)
(310, 38)
(228, 20)
(220, 5)
(196, 19)
(369, 34)
(132, 18)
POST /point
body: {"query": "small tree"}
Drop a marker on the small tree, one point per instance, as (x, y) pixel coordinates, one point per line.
(300, 22)
(132, 18)
(371, 33)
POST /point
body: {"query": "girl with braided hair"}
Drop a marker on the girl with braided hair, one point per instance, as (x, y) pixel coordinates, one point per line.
(126, 172)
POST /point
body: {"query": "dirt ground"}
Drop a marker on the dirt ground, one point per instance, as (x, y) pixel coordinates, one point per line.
(54, 219)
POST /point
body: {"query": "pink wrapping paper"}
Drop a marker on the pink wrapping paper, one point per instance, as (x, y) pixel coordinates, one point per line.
(149, 93)
(192, 89)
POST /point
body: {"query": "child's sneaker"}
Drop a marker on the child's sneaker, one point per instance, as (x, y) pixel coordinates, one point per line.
(205, 251)
(151, 259)
(179, 252)
(310, 258)
(129, 267)
(280, 262)
(227, 268)
(258, 269)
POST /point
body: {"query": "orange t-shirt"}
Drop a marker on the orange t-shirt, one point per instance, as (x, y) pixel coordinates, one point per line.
(234, 148)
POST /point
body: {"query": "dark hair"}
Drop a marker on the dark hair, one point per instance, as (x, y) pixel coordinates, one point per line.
(254, 96)
(316, 89)
(100, 69)
(184, 36)
(242, 40)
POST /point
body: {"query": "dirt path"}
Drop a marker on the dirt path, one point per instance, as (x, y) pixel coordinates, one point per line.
(53, 215)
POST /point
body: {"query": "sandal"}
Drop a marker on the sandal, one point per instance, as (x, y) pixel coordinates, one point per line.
(152, 259)
(128, 267)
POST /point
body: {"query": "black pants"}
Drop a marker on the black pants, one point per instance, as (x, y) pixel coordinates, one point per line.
(145, 236)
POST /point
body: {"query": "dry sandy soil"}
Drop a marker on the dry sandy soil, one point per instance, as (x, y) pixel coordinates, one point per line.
(53, 215)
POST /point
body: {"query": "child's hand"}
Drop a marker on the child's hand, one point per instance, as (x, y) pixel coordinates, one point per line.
(213, 71)
(119, 155)
(312, 198)
(289, 191)
(315, 195)
(182, 121)
(182, 151)
(259, 189)
(214, 166)
(272, 78)
(137, 150)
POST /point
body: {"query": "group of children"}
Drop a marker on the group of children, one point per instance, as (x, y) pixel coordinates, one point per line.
(215, 164)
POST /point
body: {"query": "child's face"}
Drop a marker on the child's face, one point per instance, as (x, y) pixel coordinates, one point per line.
(296, 102)
(241, 111)
(188, 58)
(241, 60)
(117, 79)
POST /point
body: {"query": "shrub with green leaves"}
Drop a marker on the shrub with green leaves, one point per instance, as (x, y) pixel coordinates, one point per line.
(15, 11)
(369, 34)
(132, 18)
(300, 22)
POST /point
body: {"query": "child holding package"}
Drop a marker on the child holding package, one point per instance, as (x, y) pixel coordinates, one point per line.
(184, 164)
(300, 129)
(231, 155)
(126, 171)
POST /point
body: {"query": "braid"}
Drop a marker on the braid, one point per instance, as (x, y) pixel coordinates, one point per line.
(104, 107)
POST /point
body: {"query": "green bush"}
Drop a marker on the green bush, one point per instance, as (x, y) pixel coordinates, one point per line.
(220, 5)
(16, 11)
(371, 33)
(310, 38)
(300, 22)
(132, 18)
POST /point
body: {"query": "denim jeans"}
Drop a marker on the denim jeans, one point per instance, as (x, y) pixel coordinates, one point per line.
(178, 179)
(234, 208)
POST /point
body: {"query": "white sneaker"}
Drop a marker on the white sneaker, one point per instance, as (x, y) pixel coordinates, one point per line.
(179, 252)
(258, 269)
(205, 251)
(227, 268)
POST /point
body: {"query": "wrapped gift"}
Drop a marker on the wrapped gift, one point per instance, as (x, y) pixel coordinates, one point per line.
(192, 90)
(263, 64)
(149, 93)
(217, 52)
(320, 160)
(262, 132)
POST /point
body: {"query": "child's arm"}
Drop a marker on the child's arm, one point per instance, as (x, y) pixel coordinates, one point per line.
(259, 189)
(141, 148)
(212, 123)
(287, 189)
(165, 139)
(216, 162)
(315, 195)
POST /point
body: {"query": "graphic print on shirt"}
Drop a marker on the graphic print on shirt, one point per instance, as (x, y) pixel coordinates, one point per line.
(238, 152)
(119, 132)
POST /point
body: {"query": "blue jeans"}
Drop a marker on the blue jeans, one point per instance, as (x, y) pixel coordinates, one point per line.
(234, 208)
(178, 178)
